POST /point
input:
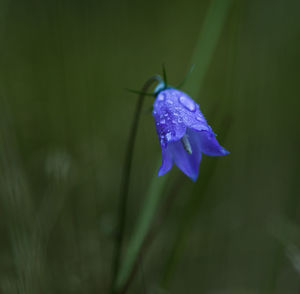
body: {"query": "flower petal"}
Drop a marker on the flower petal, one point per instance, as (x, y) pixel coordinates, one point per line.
(209, 144)
(183, 132)
(188, 163)
(167, 161)
(169, 126)
(174, 111)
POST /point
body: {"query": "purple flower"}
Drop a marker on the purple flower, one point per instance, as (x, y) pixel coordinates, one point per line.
(183, 133)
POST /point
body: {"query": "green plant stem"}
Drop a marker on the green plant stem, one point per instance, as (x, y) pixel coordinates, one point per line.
(143, 225)
(126, 180)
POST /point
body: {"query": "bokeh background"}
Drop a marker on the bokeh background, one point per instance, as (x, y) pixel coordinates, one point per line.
(64, 124)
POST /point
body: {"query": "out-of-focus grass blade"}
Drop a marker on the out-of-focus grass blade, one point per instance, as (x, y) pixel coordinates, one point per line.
(143, 223)
(207, 42)
(203, 53)
(180, 85)
(190, 211)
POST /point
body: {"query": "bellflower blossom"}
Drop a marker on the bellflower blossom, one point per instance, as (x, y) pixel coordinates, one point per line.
(183, 132)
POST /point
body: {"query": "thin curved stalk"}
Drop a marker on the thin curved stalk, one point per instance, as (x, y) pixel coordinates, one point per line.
(126, 180)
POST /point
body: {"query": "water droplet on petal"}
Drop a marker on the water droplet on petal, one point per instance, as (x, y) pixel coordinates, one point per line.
(166, 114)
(162, 121)
(188, 103)
(161, 97)
(168, 136)
(170, 101)
(179, 120)
(157, 124)
(174, 121)
(175, 113)
(199, 118)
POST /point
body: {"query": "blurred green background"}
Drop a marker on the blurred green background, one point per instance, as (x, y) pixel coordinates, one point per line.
(64, 125)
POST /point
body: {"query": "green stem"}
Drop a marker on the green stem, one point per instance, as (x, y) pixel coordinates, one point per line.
(139, 235)
(126, 180)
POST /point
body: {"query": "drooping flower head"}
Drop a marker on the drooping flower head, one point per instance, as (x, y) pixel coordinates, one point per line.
(183, 132)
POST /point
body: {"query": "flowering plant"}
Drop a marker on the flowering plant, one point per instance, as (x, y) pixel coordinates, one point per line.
(183, 132)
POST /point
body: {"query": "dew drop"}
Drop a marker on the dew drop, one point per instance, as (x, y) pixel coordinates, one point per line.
(179, 120)
(174, 121)
(168, 136)
(170, 101)
(166, 114)
(157, 124)
(199, 118)
(162, 121)
(188, 103)
(161, 97)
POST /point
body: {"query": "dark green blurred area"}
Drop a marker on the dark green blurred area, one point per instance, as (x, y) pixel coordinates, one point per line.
(64, 124)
